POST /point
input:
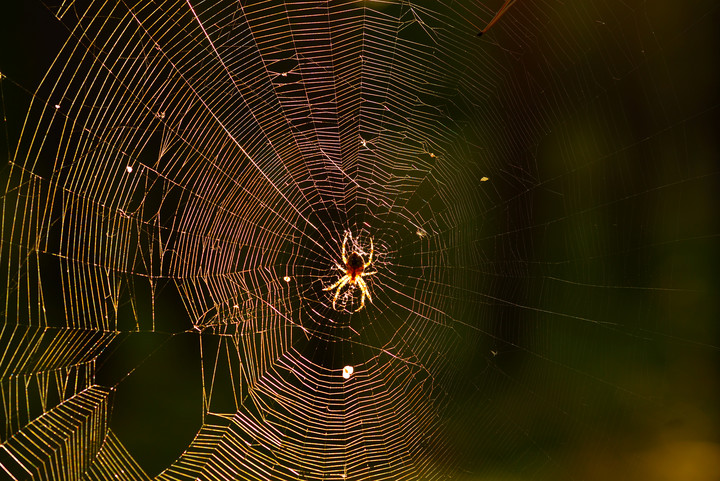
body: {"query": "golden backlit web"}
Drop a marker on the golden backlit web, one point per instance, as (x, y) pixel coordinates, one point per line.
(187, 171)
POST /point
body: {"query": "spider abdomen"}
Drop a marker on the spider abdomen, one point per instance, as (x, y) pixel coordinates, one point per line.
(354, 266)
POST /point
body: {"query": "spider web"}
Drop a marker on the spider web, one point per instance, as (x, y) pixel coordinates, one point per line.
(538, 204)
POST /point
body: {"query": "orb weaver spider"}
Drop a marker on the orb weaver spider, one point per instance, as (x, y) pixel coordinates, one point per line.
(354, 267)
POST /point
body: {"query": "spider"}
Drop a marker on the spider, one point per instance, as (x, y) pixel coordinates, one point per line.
(354, 268)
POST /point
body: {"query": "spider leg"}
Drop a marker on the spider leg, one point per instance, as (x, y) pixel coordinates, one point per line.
(372, 248)
(344, 257)
(342, 283)
(338, 283)
(362, 300)
(365, 291)
(368, 273)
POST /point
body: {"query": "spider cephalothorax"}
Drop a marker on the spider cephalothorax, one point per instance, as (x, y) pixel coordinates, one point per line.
(354, 267)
